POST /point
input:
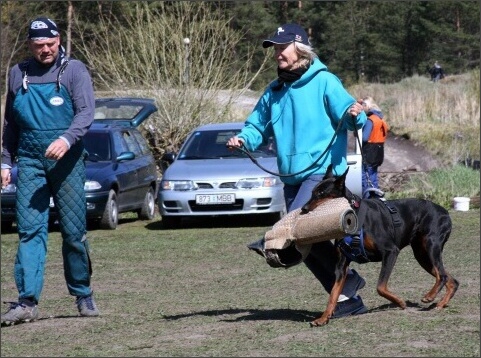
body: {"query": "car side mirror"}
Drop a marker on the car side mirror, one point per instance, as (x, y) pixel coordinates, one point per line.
(166, 160)
(168, 157)
(125, 156)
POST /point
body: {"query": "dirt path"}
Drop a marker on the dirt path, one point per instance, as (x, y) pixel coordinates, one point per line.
(403, 158)
(402, 155)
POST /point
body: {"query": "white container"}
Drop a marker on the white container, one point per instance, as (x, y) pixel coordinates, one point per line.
(461, 203)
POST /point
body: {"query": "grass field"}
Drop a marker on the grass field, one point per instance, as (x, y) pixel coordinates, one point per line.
(200, 292)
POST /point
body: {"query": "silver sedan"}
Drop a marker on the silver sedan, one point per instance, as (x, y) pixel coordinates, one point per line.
(208, 179)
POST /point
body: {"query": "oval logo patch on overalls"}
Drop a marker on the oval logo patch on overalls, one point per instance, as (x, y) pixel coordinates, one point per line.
(56, 101)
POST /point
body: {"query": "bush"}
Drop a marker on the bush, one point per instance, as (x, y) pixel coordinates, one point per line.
(441, 185)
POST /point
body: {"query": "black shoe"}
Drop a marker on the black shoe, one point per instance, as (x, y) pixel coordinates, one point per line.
(258, 246)
(354, 284)
(350, 307)
(360, 281)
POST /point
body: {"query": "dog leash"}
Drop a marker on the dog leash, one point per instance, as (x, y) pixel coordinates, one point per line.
(244, 150)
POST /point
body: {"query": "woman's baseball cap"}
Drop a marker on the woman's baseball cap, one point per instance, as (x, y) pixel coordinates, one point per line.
(42, 28)
(287, 33)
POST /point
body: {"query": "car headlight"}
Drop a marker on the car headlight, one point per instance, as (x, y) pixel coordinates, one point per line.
(10, 189)
(92, 185)
(180, 185)
(251, 183)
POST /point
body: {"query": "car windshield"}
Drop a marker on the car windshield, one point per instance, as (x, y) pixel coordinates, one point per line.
(97, 146)
(211, 145)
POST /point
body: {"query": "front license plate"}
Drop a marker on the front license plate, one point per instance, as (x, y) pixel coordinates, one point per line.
(215, 199)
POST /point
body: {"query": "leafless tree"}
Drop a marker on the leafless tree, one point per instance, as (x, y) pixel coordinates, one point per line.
(70, 9)
(13, 36)
(180, 53)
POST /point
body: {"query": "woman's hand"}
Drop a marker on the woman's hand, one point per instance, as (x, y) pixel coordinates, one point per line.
(234, 142)
(356, 109)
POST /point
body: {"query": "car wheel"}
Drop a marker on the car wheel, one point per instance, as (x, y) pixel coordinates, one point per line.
(148, 207)
(110, 217)
(7, 225)
(171, 222)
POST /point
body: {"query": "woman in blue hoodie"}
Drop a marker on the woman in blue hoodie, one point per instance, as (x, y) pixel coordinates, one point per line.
(303, 109)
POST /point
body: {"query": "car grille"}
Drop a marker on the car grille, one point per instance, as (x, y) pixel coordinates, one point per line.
(226, 185)
(239, 203)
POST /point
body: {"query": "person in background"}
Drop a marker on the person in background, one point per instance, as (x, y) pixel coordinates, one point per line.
(436, 72)
(49, 107)
(374, 134)
(302, 109)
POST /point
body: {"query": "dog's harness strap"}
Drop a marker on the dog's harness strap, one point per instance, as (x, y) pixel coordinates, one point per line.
(356, 241)
(353, 248)
(396, 218)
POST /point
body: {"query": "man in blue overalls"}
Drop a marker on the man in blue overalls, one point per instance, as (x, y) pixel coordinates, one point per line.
(50, 106)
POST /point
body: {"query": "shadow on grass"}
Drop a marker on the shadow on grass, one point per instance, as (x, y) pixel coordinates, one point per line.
(281, 314)
(217, 222)
(252, 315)
(186, 223)
(245, 314)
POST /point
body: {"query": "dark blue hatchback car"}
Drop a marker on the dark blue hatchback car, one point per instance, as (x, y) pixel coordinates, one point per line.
(121, 170)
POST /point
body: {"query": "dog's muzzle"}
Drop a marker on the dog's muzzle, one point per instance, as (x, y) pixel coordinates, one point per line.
(289, 241)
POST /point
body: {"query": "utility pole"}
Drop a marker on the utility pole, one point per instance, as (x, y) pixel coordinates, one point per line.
(186, 78)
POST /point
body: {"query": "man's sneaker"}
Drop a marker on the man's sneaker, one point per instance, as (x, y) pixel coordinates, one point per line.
(86, 306)
(350, 307)
(19, 313)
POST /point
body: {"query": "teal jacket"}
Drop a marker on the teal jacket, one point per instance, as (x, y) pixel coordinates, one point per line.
(303, 117)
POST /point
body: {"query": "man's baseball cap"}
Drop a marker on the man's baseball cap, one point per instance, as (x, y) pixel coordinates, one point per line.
(42, 28)
(287, 33)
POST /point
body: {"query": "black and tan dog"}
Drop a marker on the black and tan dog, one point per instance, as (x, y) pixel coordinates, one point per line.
(388, 226)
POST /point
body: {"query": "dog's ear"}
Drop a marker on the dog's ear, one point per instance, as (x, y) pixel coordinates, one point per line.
(328, 172)
(340, 182)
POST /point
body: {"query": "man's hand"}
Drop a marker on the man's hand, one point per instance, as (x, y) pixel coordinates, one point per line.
(6, 177)
(56, 150)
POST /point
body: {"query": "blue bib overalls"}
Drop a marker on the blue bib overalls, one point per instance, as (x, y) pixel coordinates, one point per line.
(44, 112)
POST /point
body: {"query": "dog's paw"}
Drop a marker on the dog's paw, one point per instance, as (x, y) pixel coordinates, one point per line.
(427, 299)
(319, 322)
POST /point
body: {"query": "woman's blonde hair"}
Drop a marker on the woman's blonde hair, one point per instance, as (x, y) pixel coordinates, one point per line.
(370, 104)
(306, 54)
